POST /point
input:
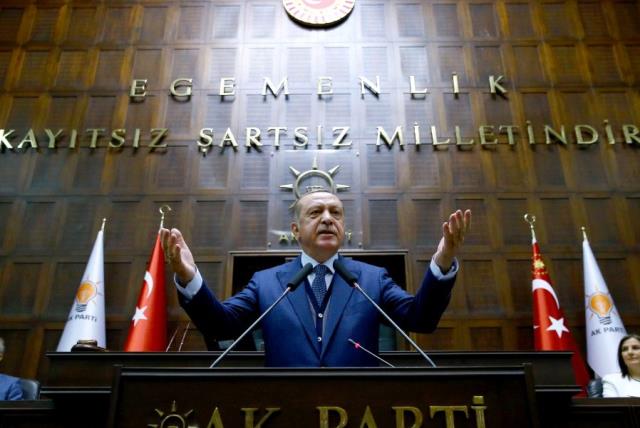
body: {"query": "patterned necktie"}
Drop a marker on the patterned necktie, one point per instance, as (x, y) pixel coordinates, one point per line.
(319, 285)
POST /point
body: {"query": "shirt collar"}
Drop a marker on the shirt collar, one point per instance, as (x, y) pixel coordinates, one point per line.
(305, 258)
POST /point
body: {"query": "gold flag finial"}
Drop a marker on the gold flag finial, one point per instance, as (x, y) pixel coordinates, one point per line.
(104, 220)
(531, 219)
(584, 233)
(163, 210)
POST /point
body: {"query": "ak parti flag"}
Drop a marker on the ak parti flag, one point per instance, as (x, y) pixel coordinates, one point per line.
(550, 330)
(148, 331)
(86, 316)
(603, 323)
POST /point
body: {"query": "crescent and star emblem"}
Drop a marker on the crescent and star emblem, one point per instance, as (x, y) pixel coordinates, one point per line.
(149, 280)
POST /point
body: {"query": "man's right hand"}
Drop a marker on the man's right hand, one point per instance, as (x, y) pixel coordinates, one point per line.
(178, 254)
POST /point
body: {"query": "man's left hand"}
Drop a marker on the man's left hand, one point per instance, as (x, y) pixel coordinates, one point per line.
(453, 232)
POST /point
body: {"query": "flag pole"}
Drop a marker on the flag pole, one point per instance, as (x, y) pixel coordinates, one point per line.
(162, 210)
(531, 219)
(104, 220)
(584, 233)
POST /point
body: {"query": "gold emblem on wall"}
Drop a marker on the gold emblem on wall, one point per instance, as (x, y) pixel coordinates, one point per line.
(318, 13)
(312, 180)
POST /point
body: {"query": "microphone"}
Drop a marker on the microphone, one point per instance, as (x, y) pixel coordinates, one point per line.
(184, 335)
(299, 277)
(377, 357)
(353, 281)
(291, 285)
(173, 336)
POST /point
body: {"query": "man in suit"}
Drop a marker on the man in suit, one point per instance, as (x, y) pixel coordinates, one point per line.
(9, 386)
(312, 326)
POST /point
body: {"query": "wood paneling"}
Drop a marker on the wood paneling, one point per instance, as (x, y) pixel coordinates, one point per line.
(68, 65)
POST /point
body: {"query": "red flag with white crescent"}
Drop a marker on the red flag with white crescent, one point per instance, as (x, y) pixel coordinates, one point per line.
(148, 331)
(550, 329)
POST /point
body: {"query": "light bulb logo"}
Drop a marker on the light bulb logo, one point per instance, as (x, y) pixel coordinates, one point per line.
(86, 292)
(173, 419)
(601, 305)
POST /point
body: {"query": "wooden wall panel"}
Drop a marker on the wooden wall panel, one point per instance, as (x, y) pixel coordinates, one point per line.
(481, 293)
(20, 285)
(383, 223)
(68, 65)
(518, 272)
(410, 20)
(486, 338)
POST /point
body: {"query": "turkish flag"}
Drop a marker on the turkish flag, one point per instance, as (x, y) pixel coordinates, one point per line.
(148, 331)
(550, 330)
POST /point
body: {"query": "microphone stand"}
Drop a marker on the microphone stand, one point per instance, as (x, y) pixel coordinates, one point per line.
(396, 326)
(352, 280)
(292, 285)
(359, 346)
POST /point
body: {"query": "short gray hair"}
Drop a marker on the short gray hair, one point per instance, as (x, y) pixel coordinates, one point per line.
(1, 345)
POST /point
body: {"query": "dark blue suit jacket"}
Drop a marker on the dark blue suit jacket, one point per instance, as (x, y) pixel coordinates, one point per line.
(289, 330)
(10, 388)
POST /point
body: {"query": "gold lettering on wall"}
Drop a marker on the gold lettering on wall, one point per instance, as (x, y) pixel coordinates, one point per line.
(459, 140)
(609, 132)
(227, 87)
(434, 138)
(509, 130)
(455, 84)
(365, 83)
(383, 136)
(495, 87)
(342, 132)
(181, 88)
(268, 84)
(118, 138)
(53, 138)
(138, 89)
(228, 139)
(276, 132)
(487, 135)
(630, 134)
(551, 135)
(29, 139)
(590, 138)
(412, 87)
(252, 138)
(300, 136)
(325, 85)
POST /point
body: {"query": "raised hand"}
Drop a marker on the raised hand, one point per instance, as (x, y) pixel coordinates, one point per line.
(453, 232)
(178, 254)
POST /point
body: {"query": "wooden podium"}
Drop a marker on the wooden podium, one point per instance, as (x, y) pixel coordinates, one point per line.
(325, 398)
(79, 391)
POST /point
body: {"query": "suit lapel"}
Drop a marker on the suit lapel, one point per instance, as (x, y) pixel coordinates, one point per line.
(340, 294)
(298, 301)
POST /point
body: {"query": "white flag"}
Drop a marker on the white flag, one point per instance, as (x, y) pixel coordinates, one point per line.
(603, 323)
(86, 317)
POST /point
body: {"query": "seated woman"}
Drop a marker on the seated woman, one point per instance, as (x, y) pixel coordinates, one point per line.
(627, 382)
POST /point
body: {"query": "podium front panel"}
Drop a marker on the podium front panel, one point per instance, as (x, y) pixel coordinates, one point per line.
(324, 398)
